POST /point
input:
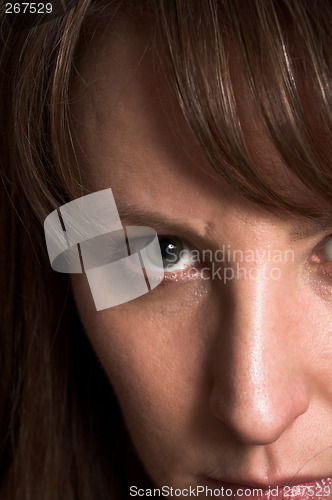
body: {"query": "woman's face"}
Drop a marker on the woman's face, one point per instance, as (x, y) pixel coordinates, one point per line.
(225, 374)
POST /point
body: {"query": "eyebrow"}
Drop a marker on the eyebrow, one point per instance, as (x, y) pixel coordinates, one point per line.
(312, 227)
(135, 215)
(139, 216)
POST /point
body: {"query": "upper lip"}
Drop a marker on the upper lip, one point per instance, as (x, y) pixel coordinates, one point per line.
(285, 481)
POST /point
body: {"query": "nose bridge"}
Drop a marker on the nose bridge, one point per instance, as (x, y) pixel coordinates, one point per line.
(257, 391)
(249, 340)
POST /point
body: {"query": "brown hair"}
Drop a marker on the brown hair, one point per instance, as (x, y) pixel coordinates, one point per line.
(61, 430)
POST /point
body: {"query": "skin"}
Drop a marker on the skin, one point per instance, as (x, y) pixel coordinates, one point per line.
(228, 381)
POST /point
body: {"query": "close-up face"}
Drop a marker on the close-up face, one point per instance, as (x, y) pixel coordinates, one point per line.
(223, 371)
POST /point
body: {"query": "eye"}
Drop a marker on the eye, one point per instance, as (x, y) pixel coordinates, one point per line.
(323, 252)
(328, 249)
(322, 258)
(176, 254)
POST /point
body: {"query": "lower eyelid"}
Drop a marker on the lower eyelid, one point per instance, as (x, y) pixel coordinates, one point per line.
(321, 270)
(188, 273)
(327, 269)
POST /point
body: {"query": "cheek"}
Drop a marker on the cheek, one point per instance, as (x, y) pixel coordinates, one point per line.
(311, 328)
(317, 344)
(157, 351)
(152, 350)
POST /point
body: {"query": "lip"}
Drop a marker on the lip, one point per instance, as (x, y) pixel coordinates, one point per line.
(306, 489)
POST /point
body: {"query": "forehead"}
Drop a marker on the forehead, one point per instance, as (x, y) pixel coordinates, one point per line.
(130, 126)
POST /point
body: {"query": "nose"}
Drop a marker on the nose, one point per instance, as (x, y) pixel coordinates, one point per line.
(259, 387)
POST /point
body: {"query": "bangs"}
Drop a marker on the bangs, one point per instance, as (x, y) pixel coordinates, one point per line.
(284, 51)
